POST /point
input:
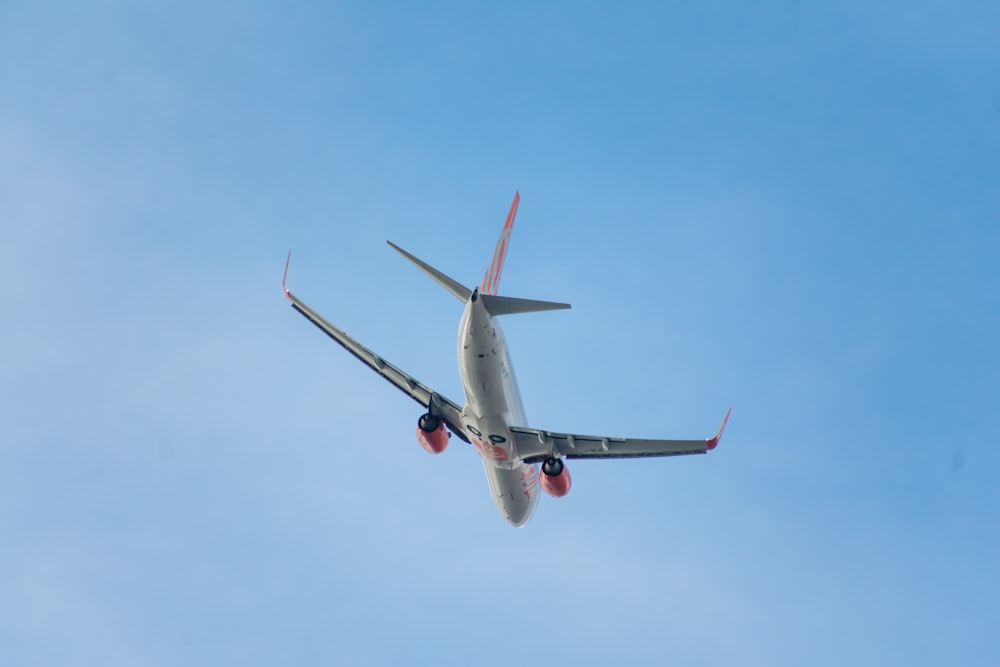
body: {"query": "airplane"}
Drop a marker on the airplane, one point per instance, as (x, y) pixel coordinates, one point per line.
(518, 459)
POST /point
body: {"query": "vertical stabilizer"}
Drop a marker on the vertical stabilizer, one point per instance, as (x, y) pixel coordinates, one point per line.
(492, 278)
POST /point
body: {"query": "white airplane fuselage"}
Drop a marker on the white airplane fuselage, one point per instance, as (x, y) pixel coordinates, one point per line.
(492, 405)
(520, 461)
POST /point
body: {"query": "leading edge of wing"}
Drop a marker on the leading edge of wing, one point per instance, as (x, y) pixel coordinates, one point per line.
(435, 403)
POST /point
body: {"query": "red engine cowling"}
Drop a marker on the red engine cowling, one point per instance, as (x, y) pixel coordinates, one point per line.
(556, 486)
(433, 441)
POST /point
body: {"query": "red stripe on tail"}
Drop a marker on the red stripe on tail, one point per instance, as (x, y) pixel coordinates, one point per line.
(492, 278)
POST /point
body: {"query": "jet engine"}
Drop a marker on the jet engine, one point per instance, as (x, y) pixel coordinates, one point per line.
(431, 433)
(555, 479)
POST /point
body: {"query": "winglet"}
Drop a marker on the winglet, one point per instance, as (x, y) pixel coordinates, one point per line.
(284, 279)
(713, 443)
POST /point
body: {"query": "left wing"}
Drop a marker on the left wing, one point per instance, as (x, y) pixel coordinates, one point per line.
(449, 412)
(535, 445)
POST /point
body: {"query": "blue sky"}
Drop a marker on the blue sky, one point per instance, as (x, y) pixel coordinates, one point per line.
(791, 208)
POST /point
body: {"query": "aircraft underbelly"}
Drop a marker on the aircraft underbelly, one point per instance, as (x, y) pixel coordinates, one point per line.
(493, 403)
(515, 491)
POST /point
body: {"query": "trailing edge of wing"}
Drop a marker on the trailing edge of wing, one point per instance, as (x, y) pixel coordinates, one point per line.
(435, 403)
(458, 290)
(534, 445)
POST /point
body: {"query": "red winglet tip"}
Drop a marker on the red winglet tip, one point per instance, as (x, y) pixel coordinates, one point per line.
(714, 442)
(284, 278)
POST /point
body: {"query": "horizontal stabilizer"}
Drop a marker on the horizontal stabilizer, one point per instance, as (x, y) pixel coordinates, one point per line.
(460, 292)
(506, 305)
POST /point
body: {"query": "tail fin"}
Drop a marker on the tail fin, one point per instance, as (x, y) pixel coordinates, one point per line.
(492, 278)
(496, 305)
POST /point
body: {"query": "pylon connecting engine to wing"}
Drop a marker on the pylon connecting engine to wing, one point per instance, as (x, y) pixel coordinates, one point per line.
(431, 433)
(555, 479)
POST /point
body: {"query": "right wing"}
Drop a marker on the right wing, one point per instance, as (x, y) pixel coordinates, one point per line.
(449, 412)
(535, 445)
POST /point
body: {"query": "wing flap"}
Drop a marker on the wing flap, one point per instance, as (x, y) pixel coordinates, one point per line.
(534, 445)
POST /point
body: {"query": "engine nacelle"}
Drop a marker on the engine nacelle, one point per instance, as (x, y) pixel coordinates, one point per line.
(555, 479)
(431, 433)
